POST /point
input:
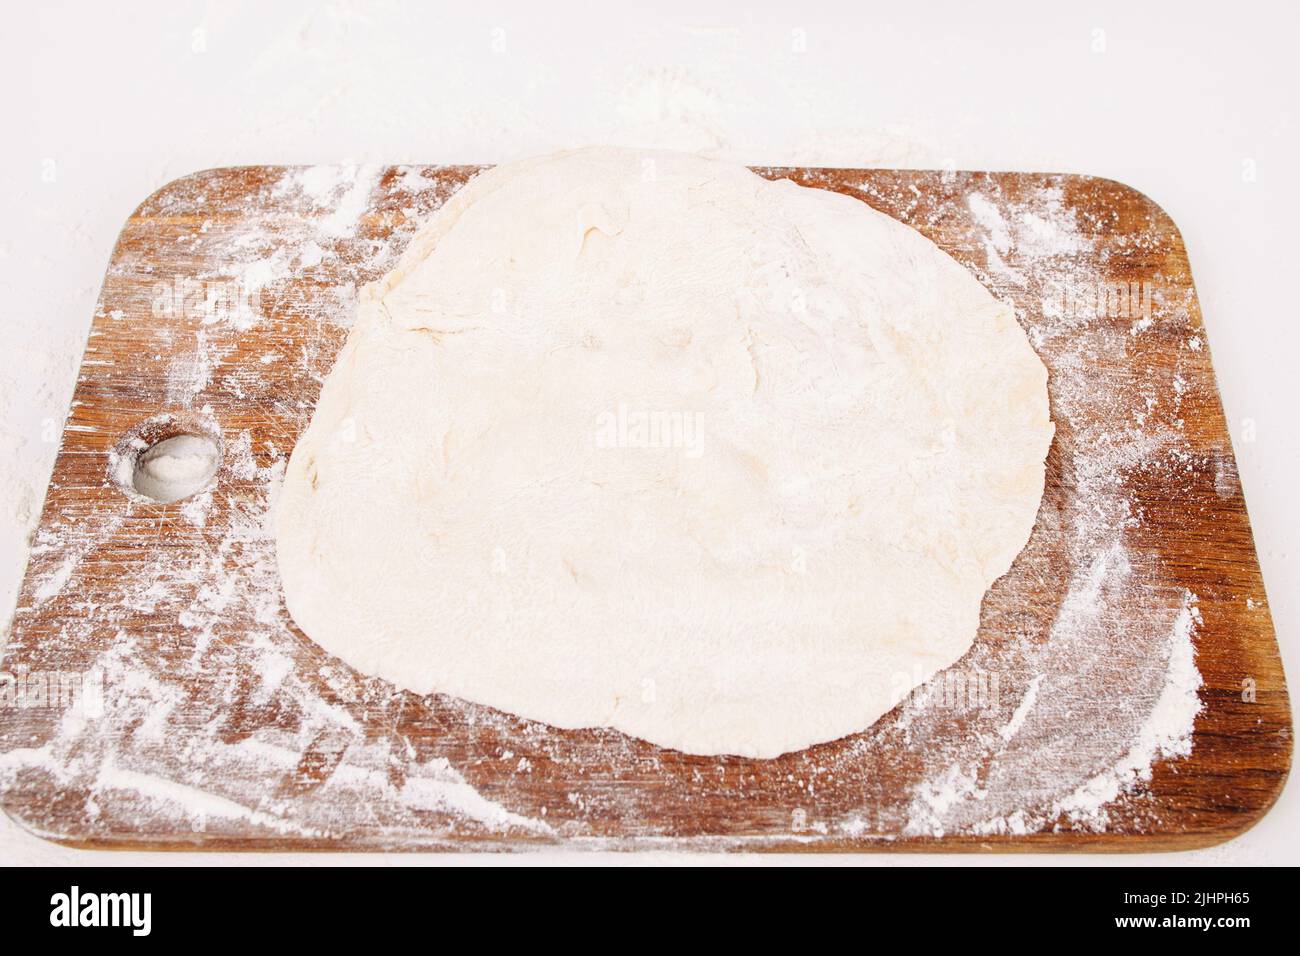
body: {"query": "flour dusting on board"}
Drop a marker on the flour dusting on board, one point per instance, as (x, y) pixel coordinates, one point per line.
(323, 749)
(216, 719)
(1060, 753)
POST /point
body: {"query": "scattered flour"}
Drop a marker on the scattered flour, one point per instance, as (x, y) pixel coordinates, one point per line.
(1048, 752)
(1065, 753)
(233, 577)
(1012, 726)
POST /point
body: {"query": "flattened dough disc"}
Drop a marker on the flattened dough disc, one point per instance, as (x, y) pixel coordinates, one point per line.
(646, 441)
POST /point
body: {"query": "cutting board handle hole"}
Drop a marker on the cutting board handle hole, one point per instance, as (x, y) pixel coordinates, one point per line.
(167, 458)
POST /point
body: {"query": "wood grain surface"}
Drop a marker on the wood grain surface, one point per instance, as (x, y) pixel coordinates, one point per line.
(223, 726)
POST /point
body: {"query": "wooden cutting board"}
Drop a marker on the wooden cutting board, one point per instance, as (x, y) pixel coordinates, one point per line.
(208, 720)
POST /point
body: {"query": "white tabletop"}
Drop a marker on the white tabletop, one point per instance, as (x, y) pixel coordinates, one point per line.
(1190, 104)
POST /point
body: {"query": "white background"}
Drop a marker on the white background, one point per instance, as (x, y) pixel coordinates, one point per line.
(104, 103)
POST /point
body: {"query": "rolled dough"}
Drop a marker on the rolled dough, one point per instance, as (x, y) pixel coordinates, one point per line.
(646, 441)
